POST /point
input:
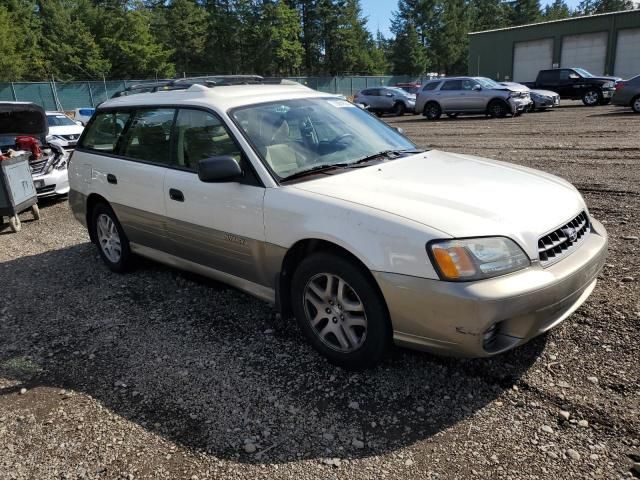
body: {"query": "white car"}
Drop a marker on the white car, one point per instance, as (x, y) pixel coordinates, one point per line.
(63, 131)
(308, 202)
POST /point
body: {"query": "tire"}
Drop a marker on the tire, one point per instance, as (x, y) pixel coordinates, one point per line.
(399, 109)
(351, 294)
(635, 104)
(432, 111)
(592, 97)
(35, 211)
(15, 223)
(452, 115)
(497, 109)
(111, 241)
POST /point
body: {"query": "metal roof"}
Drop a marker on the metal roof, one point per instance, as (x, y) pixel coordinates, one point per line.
(570, 19)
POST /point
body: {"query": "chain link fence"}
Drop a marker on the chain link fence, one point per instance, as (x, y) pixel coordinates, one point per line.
(67, 96)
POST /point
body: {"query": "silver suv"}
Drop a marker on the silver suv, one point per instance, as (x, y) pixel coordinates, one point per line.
(386, 99)
(457, 95)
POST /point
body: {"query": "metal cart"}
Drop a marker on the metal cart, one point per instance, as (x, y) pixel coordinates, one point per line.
(17, 191)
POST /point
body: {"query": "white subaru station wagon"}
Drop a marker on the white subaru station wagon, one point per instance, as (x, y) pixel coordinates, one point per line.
(308, 202)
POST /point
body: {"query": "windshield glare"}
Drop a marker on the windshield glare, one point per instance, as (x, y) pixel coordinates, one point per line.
(59, 121)
(487, 82)
(583, 72)
(292, 136)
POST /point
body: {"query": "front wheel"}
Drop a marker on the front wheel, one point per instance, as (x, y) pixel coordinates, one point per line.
(635, 104)
(111, 240)
(498, 109)
(340, 311)
(592, 97)
(399, 109)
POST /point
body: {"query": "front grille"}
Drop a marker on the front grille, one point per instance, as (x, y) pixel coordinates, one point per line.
(47, 189)
(38, 166)
(71, 137)
(555, 245)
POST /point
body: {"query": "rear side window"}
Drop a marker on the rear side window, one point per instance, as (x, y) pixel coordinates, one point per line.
(148, 137)
(549, 76)
(104, 131)
(431, 86)
(452, 85)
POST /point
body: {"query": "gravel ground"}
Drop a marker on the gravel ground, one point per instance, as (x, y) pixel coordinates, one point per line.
(161, 374)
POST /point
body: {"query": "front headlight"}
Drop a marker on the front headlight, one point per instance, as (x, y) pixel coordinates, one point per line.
(608, 85)
(468, 259)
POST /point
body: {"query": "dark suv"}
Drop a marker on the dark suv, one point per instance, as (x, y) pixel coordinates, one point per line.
(576, 84)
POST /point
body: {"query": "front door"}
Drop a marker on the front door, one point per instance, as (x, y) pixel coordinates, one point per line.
(217, 225)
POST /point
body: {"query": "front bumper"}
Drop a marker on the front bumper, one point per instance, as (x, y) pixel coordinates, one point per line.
(519, 104)
(51, 184)
(608, 93)
(546, 102)
(452, 318)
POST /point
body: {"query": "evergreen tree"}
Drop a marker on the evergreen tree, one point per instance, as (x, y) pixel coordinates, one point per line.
(282, 28)
(525, 11)
(187, 22)
(487, 15)
(605, 6)
(556, 11)
(12, 66)
(408, 55)
(69, 48)
(449, 44)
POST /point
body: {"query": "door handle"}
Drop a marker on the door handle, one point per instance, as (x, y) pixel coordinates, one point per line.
(176, 195)
(111, 178)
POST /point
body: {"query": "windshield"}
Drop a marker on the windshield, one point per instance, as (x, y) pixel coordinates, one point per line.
(59, 121)
(292, 136)
(487, 82)
(583, 72)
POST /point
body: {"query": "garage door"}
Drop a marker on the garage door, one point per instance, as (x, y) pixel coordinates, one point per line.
(628, 53)
(588, 51)
(531, 57)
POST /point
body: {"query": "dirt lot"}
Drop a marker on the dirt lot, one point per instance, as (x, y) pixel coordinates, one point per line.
(159, 374)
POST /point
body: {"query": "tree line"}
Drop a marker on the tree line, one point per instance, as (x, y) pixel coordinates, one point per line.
(95, 39)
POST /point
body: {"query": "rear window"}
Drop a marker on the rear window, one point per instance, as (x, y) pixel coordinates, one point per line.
(549, 76)
(104, 131)
(452, 85)
(431, 85)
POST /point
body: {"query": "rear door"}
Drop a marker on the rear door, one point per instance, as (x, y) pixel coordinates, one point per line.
(124, 158)
(216, 225)
(451, 95)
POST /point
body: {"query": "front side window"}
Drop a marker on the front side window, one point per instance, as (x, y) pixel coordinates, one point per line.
(148, 136)
(452, 85)
(104, 131)
(292, 136)
(431, 86)
(201, 135)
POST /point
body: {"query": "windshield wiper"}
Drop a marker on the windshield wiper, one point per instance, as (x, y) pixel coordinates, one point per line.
(312, 170)
(390, 154)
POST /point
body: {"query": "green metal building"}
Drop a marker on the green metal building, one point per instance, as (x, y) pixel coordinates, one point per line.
(605, 44)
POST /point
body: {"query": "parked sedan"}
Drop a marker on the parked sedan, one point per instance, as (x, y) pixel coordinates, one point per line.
(628, 94)
(63, 131)
(540, 99)
(457, 95)
(386, 99)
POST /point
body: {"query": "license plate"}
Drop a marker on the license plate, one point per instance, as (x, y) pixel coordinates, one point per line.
(39, 183)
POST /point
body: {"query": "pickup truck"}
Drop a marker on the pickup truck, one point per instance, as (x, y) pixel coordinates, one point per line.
(576, 84)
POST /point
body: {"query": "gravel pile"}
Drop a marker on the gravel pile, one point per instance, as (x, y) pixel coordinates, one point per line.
(161, 374)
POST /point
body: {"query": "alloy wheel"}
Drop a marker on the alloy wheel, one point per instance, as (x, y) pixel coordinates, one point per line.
(335, 312)
(109, 238)
(636, 105)
(591, 97)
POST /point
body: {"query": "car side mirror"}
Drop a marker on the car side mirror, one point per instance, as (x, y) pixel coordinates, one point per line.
(219, 169)
(574, 76)
(477, 88)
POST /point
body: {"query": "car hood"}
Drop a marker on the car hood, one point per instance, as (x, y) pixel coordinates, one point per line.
(460, 195)
(513, 88)
(605, 79)
(22, 118)
(66, 130)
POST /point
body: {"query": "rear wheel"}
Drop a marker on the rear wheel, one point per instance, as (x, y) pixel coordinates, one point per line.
(498, 109)
(432, 111)
(399, 109)
(635, 104)
(340, 311)
(111, 240)
(592, 97)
